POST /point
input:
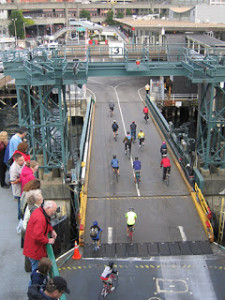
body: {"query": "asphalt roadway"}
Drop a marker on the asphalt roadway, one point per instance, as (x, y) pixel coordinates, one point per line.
(165, 214)
(167, 220)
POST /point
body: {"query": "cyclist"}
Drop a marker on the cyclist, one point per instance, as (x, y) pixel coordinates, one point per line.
(163, 149)
(95, 232)
(105, 277)
(115, 165)
(145, 111)
(165, 162)
(137, 168)
(111, 108)
(141, 137)
(131, 217)
(115, 128)
(133, 127)
(128, 141)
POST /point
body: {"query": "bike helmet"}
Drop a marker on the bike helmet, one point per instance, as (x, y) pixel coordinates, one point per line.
(128, 132)
(164, 142)
(141, 130)
(114, 121)
(133, 122)
(95, 223)
(111, 264)
(131, 209)
(145, 105)
(136, 158)
(114, 156)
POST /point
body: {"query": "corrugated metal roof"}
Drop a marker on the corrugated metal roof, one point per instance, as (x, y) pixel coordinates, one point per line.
(206, 40)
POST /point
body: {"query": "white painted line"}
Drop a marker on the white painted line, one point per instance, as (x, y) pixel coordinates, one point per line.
(110, 235)
(182, 233)
(125, 132)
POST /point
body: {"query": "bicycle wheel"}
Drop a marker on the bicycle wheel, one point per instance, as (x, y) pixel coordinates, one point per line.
(115, 280)
(103, 293)
(167, 179)
(117, 177)
(128, 153)
(131, 234)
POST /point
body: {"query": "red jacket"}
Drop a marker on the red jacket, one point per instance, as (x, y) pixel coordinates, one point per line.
(25, 156)
(145, 110)
(26, 176)
(165, 162)
(36, 236)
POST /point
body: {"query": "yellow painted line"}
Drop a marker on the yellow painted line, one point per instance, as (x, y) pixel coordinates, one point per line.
(137, 267)
(153, 267)
(79, 267)
(121, 267)
(158, 266)
(74, 268)
(146, 266)
(59, 269)
(69, 268)
(63, 268)
(141, 266)
(83, 194)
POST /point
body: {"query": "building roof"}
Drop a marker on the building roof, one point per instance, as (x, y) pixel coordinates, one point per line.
(170, 24)
(206, 40)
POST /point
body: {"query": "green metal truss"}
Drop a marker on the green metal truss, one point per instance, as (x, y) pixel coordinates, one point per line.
(40, 71)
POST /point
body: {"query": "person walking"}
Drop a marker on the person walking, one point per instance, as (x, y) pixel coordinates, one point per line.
(3, 167)
(36, 236)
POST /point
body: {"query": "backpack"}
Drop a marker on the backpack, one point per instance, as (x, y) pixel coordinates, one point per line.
(129, 137)
(93, 232)
(115, 126)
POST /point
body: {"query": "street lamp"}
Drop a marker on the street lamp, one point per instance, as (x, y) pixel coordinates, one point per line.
(14, 21)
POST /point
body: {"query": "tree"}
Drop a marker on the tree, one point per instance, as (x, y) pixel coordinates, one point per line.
(120, 15)
(20, 22)
(85, 14)
(109, 19)
(129, 12)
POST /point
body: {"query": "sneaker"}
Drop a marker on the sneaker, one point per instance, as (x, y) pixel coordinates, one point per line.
(112, 288)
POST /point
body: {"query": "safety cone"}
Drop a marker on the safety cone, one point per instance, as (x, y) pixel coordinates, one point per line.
(76, 254)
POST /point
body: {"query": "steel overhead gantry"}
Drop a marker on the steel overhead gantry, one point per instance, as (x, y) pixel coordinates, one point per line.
(40, 72)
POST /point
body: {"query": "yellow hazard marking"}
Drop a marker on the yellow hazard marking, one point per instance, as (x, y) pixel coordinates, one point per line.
(139, 266)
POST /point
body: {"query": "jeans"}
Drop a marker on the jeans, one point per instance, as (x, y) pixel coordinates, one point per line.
(133, 134)
(34, 263)
(18, 199)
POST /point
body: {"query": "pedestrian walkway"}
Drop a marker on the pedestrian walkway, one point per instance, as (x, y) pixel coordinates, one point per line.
(14, 280)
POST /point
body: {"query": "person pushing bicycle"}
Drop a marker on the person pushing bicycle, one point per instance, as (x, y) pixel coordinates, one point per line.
(106, 275)
(137, 169)
(165, 163)
(131, 217)
(163, 149)
(95, 232)
(133, 127)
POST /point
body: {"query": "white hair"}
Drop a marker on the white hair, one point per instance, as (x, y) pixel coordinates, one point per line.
(32, 196)
(49, 204)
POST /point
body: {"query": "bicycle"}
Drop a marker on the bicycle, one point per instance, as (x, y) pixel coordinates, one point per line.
(131, 230)
(106, 289)
(146, 118)
(138, 178)
(116, 174)
(110, 113)
(167, 177)
(133, 135)
(142, 146)
(115, 136)
(128, 152)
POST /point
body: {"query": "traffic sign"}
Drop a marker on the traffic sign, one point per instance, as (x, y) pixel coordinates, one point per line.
(80, 28)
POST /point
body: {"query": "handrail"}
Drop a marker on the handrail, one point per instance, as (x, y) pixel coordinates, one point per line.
(54, 270)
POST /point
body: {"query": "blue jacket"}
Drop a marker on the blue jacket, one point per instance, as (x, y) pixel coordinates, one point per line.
(137, 165)
(115, 163)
